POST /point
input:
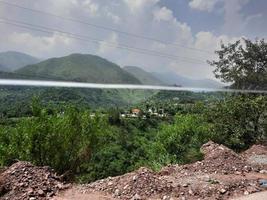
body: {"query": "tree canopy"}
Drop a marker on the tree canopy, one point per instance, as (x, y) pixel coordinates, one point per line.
(243, 63)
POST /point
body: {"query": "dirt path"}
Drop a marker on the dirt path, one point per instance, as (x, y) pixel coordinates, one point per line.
(74, 193)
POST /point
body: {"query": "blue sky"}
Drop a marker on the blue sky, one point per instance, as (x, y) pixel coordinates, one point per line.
(198, 20)
(191, 25)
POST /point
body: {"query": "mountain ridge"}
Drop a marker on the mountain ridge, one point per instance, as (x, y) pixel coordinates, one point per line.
(171, 78)
(13, 60)
(82, 68)
(145, 77)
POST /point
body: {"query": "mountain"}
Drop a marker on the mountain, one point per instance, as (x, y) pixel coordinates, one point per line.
(80, 67)
(172, 78)
(145, 77)
(3, 69)
(12, 60)
(76, 67)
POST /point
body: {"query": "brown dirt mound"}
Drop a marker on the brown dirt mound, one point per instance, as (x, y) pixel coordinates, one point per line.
(256, 156)
(23, 180)
(221, 175)
(143, 182)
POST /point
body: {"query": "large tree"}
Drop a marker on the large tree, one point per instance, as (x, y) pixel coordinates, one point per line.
(243, 64)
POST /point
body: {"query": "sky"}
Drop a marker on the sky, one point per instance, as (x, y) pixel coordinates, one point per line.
(183, 34)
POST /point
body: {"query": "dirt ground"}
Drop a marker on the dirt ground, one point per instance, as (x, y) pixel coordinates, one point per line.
(223, 174)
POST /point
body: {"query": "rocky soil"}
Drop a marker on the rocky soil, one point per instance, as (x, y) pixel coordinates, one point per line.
(222, 174)
(23, 180)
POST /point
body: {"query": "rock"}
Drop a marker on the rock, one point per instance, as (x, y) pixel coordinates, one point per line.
(117, 192)
(246, 193)
(223, 191)
(40, 192)
(26, 181)
(185, 185)
(134, 178)
(263, 171)
(190, 192)
(136, 197)
(165, 197)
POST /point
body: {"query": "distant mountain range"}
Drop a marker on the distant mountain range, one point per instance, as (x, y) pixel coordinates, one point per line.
(90, 68)
(145, 77)
(82, 68)
(171, 78)
(12, 60)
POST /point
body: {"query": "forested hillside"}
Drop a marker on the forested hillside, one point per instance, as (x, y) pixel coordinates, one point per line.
(79, 67)
(12, 60)
(145, 77)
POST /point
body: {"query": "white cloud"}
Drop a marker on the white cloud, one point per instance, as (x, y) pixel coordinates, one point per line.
(140, 17)
(108, 45)
(91, 7)
(37, 45)
(115, 18)
(203, 5)
(136, 5)
(163, 13)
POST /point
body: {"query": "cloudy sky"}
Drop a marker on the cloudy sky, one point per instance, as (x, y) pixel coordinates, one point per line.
(184, 32)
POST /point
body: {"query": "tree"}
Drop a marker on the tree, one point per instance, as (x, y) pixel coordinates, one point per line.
(243, 63)
(239, 121)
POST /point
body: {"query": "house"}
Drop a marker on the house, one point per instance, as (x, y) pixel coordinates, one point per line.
(136, 111)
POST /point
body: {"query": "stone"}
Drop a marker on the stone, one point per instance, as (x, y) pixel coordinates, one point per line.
(40, 192)
(223, 191)
(117, 192)
(134, 178)
(190, 192)
(185, 185)
(136, 197)
(165, 197)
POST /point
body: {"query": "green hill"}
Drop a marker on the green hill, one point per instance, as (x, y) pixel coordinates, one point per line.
(76, 67)
(12, 60)
(80, 67)
(145, 77)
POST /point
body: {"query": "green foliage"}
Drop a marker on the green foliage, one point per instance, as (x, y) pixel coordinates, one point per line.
(62, 141)
(97, 145)
(243, 63)
(239, 121)
(183, 139)
(79, 67)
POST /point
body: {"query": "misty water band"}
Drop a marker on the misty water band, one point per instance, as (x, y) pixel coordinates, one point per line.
(65, 84)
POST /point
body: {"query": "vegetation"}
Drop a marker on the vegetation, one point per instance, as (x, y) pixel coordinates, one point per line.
(243, 63)
(79, 67)
(88, 143)
(96, 145)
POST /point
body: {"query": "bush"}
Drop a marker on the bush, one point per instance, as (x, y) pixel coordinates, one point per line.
(238, 122)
